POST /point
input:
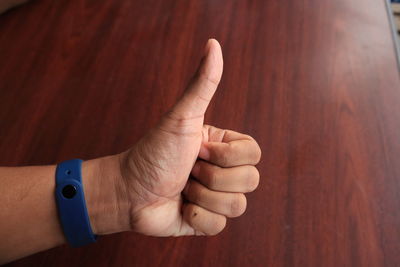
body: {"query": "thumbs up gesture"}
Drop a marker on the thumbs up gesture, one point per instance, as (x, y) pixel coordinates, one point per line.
(184, 177)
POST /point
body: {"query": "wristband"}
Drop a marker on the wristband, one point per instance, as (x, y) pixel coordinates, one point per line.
(71, 204)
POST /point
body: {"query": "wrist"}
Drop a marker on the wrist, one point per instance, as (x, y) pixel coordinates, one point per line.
(105, 194)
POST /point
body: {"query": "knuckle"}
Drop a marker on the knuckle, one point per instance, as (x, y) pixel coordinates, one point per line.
(210, 80)
(212, 178)
(179, 118)
(253, 178)
(238, 205)
(172, 115)
(257, 153)
(224, 157)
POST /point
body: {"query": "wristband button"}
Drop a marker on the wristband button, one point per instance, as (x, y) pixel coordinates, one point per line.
(69, 191)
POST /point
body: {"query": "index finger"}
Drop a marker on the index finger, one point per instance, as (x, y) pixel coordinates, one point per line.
(233, 149)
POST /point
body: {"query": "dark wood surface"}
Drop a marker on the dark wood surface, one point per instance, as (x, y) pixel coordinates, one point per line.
(315, 82)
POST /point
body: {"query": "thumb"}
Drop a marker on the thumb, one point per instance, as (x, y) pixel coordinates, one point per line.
(197, 96)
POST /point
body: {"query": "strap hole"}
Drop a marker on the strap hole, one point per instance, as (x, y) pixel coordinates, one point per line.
(69, 191)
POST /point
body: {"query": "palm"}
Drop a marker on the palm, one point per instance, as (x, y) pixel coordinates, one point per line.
(162, 173)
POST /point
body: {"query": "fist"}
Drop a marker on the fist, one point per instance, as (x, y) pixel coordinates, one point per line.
(224, 171)
(184, 177)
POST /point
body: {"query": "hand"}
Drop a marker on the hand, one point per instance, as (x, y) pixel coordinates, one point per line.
(155, 172)
(147, 188)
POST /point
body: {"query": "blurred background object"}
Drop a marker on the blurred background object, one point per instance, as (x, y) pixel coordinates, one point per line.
(8, 4)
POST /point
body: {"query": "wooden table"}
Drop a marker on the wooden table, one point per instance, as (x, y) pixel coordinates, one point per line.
(315, 82)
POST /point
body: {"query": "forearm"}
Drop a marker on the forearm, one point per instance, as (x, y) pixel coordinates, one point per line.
(28, 217)
(28, 213)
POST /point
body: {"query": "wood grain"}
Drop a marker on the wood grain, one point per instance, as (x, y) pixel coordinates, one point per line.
(315, 82)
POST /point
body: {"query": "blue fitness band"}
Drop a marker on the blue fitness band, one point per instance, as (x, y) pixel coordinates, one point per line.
(71, 204)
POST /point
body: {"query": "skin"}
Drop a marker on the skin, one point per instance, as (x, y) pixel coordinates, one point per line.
(146, 189)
